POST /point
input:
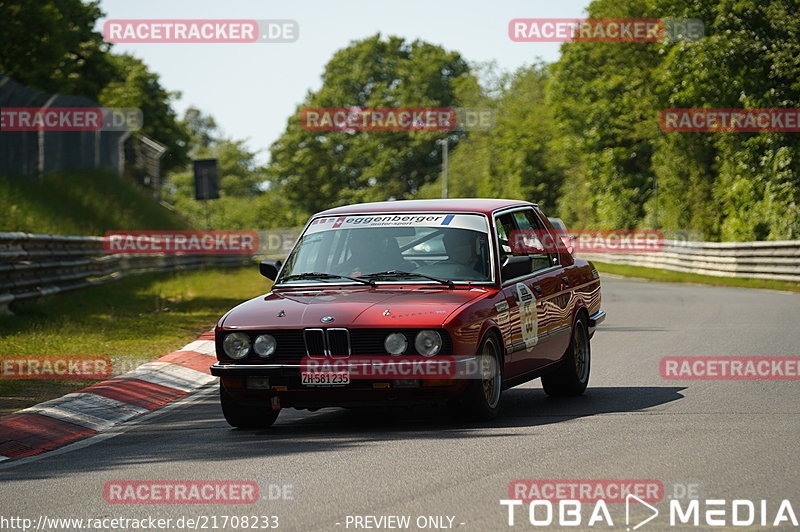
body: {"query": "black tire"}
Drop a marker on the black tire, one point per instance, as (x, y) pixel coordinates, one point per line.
(481, 399)
(245, 416)
(572, 375)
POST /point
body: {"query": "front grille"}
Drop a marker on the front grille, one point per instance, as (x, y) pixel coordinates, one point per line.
(333, 342)
(338, 342)
(290, 343)
(315, 342)
(294, 344)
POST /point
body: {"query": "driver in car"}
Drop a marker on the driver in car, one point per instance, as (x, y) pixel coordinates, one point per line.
(462, 254)
(370, 256)
(362, 258)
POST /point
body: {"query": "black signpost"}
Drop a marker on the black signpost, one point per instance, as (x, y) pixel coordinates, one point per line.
(206, 182)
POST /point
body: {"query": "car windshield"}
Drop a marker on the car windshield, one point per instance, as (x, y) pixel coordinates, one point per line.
(407, 248)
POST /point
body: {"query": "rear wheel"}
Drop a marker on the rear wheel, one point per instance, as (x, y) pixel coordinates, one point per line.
(481, 399)
(245, 416)
(572, 375)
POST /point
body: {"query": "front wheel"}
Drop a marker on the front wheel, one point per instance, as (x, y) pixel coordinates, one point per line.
(245, 416)
(572, 375)
(481, 399)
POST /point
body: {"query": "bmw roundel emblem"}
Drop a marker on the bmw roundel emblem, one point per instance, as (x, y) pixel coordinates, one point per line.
(326, 319)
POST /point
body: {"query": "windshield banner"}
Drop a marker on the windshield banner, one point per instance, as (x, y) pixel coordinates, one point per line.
(454, 221)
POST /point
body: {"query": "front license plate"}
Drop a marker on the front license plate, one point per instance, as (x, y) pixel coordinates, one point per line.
(339, 378)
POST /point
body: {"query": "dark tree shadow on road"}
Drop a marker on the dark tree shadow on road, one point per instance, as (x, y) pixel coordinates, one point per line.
(197, 431)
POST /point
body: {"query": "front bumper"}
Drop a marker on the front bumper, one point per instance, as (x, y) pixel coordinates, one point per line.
(256, 384)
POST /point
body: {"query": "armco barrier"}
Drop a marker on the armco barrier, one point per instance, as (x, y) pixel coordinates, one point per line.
(34, 265)
(775, 260)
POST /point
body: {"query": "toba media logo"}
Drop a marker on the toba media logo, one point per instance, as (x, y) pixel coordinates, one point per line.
(585, 503)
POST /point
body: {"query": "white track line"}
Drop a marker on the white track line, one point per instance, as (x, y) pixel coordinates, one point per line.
(88, 410)
(172, 375)
(100, 413)
(201, 346)
(115, 431)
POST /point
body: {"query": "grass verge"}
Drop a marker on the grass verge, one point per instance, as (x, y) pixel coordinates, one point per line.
(132, 321)
(669, 276)
(88, 202)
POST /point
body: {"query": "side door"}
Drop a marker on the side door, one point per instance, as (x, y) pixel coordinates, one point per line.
(555, 309)
(527, 295)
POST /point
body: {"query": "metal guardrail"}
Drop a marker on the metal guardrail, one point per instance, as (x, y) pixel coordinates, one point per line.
(34, 265)
(775, 260)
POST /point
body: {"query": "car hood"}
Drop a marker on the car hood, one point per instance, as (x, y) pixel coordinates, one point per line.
(357, 307)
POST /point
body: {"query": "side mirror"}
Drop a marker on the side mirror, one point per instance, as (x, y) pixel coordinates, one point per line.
(269, 268)
(516, 266)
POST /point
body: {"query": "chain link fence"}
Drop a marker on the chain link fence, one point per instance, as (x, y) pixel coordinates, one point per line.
(25, 153)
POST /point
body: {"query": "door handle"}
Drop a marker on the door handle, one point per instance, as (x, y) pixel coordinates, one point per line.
(565, 279)
(537, 288)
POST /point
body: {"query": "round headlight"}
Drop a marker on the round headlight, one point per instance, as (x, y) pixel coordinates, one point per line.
(396, 343)
(236, 345)
(428, 343)
(265, 345)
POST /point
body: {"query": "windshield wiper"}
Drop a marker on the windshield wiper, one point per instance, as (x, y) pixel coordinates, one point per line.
(321, 275)
(399, 273)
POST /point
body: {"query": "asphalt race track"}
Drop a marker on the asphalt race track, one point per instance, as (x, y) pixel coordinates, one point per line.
(726, 439)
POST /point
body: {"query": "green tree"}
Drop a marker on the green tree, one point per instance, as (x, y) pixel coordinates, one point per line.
(135, 85)
(607, 98)
(471, 160)
(603, 97)
(733, 186)
(52, 45)
(317, 170)
(202, 130)
(514, 159)
(244, 203)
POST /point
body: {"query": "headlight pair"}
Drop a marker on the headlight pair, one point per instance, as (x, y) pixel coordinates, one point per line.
(427, 343)
(237, 345)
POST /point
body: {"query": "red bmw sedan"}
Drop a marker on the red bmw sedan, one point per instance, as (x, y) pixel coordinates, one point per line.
(409, 302)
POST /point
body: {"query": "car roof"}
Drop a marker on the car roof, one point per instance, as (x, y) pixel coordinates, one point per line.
(479, 205)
